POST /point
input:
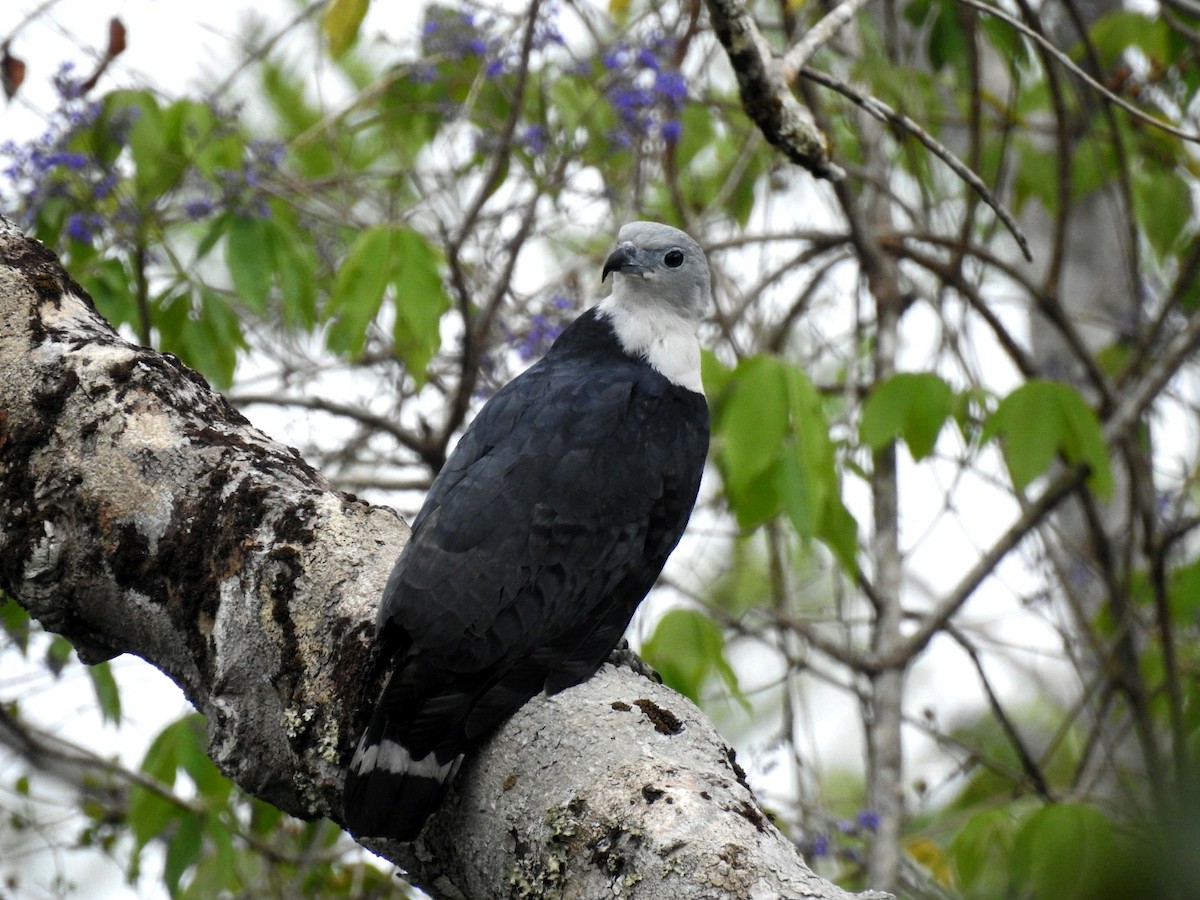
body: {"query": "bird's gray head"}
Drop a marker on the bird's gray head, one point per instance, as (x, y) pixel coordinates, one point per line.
(661, 265)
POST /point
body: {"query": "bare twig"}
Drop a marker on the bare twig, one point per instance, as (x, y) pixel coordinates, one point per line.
(880, 110)
(1068, 63)
(818, 36)
(1127, 414)
(377, 423)
(1033, 771)
(475, 332)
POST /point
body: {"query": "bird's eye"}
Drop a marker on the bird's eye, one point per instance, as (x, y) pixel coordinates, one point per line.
(673, 259)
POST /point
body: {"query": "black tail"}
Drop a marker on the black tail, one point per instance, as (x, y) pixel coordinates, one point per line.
(388, 793)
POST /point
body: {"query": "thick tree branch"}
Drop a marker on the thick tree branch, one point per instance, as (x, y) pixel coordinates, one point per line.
(140, 513)
(766, 95)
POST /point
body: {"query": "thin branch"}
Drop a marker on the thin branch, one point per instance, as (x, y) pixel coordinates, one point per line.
(1032, 771)
(1069, 64)
(818, 36)
(880, 110)
(377, 423)
(474, 333)
(953, 277)
(1058, 490)
(1127, 414)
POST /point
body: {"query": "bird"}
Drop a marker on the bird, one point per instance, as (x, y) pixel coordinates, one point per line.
(546, 527)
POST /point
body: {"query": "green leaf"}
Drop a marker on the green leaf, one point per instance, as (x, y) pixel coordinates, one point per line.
(149, 815)
(296, 268)
(15, 621)
(1042, 419)
(217, 227)
(754, 420)
(420, 300)
(157, 159)
(194, 760)
(182, 850)
(1063, 851)
(111, 286)
(1035, 175)
(1162, 200)
(980, 853)
(206, 336)
(319, 152)
(1114, 34)
(58, 654)
(179, 745)
(401, 257)
(1093, 166)
(772, 446)
(341, 22)
(697, 134)
(250, 255)
(686, 649)
(162, 756)
(947, 39)
(108, 695)
(1184, 593)
(358, 289)
(911, 405)
(264, 818)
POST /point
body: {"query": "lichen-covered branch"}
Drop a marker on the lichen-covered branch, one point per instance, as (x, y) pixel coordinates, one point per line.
(766, 94)
(140, 513)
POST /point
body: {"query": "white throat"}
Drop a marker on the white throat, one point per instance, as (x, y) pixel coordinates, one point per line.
(658, 334)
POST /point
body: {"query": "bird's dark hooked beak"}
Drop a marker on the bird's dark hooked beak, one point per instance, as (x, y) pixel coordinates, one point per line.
(623, 259)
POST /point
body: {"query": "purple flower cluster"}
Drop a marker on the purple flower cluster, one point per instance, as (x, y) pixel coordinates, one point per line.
(458, 34)
(66, 182)
(647, 95)
(540, 324)
(52, 171)
(450, 34)
(543, 329)
(242, 190)
(844, 839)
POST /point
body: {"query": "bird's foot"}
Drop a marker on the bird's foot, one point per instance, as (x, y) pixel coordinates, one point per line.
(623, 656)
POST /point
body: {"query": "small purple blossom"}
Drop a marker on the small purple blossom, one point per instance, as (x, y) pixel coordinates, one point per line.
(819, 846)
(614, 58)
(65, 158)
(456, 35)
(422, 73)
(547, 35)
(51, 170)
(619, 138)
(645, 91)
(67, 86)
(534, 139)
(868, 820)
(670, 87)
(541, 334)
(199, 208)
(105, 186)
(648, 59)
(83, 227)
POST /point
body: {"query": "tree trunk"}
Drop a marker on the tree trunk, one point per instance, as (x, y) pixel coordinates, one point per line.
(140, 513)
